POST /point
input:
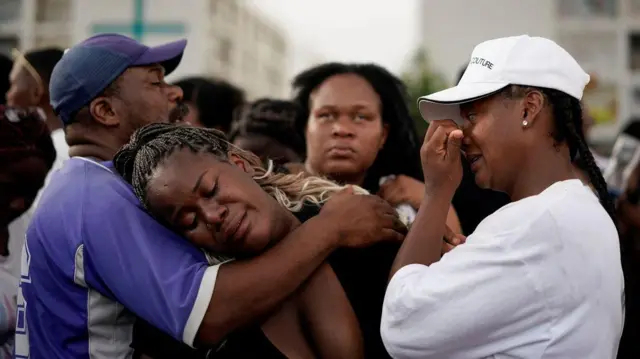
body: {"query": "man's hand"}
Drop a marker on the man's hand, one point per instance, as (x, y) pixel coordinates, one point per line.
(362, 220)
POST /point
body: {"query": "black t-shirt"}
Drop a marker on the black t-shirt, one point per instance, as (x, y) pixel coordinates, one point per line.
(472, 203)
(363, 273)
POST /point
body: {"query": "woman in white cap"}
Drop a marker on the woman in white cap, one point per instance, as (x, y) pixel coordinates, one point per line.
(541, 277)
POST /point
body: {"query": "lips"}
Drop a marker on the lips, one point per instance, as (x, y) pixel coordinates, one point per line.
(234, 228)
(341, 151)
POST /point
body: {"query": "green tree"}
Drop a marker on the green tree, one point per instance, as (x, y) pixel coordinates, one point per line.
(421, 79)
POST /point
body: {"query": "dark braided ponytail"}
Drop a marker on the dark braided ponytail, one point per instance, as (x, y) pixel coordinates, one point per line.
(567, 114)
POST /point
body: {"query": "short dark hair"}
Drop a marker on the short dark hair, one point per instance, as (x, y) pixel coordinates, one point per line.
(215, 99)
(400, 154)
(44, 60)
(271, 118)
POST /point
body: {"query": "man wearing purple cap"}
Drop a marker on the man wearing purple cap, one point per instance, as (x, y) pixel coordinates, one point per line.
(94, 259)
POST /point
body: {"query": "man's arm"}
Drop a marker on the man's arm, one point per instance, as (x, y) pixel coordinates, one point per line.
(246, 290)
(163, 279)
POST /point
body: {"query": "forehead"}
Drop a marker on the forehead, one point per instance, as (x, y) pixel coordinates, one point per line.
(483, 104)
(344, 90)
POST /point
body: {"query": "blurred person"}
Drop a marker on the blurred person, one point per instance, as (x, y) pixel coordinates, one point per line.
(552, 255)
(29, 79)
(266, 127)
(628, 215)
(211, 102)
(227, 182)
(6, 64)
(26, 155)
(358, 130)
(97, 261)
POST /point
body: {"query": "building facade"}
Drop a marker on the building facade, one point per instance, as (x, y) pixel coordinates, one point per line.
(227, 39)
(603, 36)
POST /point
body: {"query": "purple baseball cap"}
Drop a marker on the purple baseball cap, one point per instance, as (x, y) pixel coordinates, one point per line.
(90, 67)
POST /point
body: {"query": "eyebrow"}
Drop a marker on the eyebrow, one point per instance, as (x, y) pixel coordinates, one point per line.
(156, 69)
(178, 209)
(198, 181)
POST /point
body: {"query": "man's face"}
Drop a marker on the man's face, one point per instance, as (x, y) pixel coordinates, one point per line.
(144, 97)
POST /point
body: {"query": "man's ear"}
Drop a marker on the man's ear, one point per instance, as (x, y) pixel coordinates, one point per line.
(104, 111)
(241, 163)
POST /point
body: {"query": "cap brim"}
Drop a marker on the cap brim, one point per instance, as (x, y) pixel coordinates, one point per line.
(167, 55)
(445, 105)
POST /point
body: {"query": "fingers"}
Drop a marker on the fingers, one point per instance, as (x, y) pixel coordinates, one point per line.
(434, 125)
(446, 248)
(454, 143)
(392, 194)
(391, 235)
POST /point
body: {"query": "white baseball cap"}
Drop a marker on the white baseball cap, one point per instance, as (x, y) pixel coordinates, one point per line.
(496, 64)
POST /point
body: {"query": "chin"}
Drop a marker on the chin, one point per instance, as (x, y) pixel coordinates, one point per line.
(482, 182)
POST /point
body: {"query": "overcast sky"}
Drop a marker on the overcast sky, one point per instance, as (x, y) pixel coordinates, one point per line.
(381, 31)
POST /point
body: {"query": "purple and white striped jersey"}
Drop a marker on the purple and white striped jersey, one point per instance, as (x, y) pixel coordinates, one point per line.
(94, 260)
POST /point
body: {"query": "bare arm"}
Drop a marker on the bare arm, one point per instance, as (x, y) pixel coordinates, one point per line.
(423, 244)
(453, 222)
(250, 289)
(329, 317)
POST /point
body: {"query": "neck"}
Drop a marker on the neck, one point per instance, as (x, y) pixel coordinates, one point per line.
(541, 171)
(342, 178)
(91, 142)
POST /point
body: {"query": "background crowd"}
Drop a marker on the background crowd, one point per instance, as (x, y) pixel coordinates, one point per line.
(349, 123)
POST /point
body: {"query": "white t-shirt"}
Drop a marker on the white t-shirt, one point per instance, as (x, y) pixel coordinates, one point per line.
(540, 278)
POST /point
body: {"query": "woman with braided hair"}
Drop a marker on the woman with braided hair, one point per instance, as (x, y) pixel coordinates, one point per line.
(539, 278)
(221, 199)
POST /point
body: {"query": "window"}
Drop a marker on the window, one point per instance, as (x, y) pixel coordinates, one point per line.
(224, 51)
(634, 8)
(53, 10)
(10, 10)
(595, 50)
(587, 8)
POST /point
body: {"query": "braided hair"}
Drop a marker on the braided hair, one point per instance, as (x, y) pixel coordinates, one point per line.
(567, 115)
(152, 144)
(402, 141)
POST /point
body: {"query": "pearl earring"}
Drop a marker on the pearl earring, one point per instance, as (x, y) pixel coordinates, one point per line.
(525, 123)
